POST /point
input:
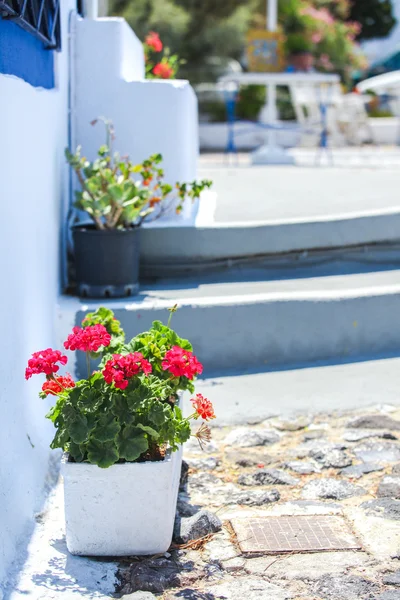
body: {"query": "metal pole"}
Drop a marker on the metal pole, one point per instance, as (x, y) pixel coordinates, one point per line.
(272, 12)
(272, 24)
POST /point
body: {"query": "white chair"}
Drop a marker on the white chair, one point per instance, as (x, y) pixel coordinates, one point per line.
(346, 117)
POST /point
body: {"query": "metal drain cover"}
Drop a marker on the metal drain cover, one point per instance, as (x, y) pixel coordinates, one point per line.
(276, 535)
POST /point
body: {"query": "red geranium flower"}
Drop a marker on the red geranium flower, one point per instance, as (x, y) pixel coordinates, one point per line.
(153, 41)
(88, 339)
(58, 384)
(203, 407)
(181, 362)
(163, 70)
(45, 362)
(120, 368)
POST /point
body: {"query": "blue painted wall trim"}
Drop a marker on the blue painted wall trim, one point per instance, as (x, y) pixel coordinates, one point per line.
(25, 56)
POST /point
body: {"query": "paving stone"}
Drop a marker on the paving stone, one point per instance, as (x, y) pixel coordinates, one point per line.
(140, 596)
(301, 467)
(245, 437)
(392, 579)
(389, 595)
(291, 424)
(267, 477)
(256, 497)
(184, 473)
(389, 487)
(220, 549)
(330, 488)
(158, 574)
(196, 527)
(203, 480)
(356, 435)
(233, 565)
(383, 507)
(305, 507)
(323, 445)
(188, 594)
(346, 588)
(314, 434)
(185, 509)
(306, 566)
(374, 422)
(248, 459)
(206, 464)
(357, 471)
(192, 447)
(337, 459)
(378, 452)
(248, 588)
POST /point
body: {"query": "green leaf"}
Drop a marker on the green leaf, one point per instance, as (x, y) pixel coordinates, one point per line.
(158, 412)
(121, 409)
(77, 452)
(90, 400)
(102, 454)
(132, 443)
(60, 439)
(78, 429)
(149, 430)
(182, 431)
(106, 429)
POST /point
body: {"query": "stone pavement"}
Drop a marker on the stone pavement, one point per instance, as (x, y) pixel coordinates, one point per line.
(345, 464)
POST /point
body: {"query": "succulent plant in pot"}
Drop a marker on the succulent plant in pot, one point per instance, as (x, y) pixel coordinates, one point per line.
(121, 429)
(119, 197)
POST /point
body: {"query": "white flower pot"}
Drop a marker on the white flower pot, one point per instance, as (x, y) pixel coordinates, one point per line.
(126, 509)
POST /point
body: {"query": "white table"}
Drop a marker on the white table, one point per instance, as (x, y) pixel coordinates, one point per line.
(270, 153)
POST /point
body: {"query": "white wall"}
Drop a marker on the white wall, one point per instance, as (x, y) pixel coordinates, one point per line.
(33, 190)
(149, 115)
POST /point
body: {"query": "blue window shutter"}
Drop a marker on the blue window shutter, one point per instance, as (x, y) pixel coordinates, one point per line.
(23, 55)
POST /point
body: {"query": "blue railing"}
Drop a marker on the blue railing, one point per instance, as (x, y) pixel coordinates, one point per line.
(41, 18)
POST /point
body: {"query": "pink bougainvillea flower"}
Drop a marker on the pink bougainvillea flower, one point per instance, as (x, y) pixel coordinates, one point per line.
(203, 407)
(316, 37)
(45, 361)
(88, 339)
(153, 41)
(319, 14)
(163, 70)
(120, 368)
(181, 363)
(58, 384)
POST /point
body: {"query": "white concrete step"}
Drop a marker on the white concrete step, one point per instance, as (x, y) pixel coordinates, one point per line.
(270, 211)
(238, 324)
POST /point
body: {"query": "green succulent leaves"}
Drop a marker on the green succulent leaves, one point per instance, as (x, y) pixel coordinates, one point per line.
(113, 196)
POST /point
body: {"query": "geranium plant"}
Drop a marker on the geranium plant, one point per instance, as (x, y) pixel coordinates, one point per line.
(160, 64)
(126, 409)
(118, 194)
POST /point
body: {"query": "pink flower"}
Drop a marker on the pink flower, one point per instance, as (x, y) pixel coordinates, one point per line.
(45, 361)
(120, 368)
(88, 339)
(181, 363)
(321, 14)
(163, 70)
(58, 384)
(153, 41)
(203, 407)
(316, 38)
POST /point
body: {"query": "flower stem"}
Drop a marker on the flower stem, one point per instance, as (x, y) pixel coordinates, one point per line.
(88, 363)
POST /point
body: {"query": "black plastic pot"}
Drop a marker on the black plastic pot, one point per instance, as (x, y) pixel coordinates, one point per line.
(107, 262)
